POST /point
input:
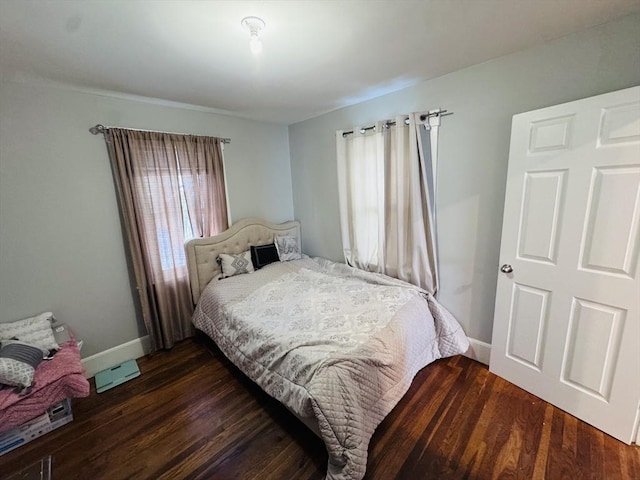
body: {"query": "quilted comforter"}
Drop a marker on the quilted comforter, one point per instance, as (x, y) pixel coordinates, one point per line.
(332, 343)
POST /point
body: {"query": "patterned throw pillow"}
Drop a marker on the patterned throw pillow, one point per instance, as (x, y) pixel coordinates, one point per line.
(235, 264)
(18, 362)
(287, 246)
(34, 331)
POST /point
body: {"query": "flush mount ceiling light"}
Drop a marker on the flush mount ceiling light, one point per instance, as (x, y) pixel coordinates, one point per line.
(254, 25)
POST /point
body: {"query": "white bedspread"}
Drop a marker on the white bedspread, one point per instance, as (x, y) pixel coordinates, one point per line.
(330, 342)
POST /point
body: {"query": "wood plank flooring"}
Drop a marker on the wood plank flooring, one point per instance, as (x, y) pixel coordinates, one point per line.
(192, 415)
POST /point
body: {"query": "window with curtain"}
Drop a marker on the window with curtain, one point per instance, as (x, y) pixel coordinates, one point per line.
(172, 254)
(171, 189)
(386, 192)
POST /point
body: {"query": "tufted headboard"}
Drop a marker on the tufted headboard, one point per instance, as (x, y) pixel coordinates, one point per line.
(202, 253)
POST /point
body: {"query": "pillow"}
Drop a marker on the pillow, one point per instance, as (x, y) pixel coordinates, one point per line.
(235, 264)
(34, 331)
(287, 246)
(18, 362)
(262, 255)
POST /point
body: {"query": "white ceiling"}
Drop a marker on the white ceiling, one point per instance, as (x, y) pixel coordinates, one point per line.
(318, 55)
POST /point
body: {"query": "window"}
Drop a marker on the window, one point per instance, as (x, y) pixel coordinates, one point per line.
(173, 255)
(385, 200)
(171, 188)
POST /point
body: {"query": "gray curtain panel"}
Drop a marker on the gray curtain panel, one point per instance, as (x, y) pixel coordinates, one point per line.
(386, 208)
(170, 189)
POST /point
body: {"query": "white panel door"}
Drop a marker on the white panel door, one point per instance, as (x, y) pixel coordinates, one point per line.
(567, 317)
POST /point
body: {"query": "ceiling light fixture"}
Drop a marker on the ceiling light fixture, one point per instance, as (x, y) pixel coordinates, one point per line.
(254, 25)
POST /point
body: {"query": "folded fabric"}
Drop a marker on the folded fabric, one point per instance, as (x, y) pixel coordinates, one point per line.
(56, 379)
(18, 362)
(34, 331)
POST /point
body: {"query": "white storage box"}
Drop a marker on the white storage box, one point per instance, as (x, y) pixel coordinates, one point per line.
(56, 416)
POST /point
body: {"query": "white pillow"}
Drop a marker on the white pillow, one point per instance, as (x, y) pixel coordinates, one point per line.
(18, 363)
(236, 264)
(35, 331)
(287, 246)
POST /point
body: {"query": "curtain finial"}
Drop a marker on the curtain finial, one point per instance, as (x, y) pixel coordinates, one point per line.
(96, 129)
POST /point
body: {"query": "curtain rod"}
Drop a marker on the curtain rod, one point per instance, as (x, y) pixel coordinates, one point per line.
(423, 117)
(99, 128)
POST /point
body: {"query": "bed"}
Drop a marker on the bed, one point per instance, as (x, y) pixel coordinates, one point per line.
(337, 346)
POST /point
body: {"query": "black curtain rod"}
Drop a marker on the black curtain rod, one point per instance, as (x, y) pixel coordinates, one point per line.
(99, 128)
(423, 117)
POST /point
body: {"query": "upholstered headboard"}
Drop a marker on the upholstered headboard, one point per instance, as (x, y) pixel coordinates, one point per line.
(202, 253)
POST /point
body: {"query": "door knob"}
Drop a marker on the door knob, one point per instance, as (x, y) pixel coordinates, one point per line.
(506, 268)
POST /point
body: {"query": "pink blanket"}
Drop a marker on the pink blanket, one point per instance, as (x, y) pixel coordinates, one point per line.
(54, 380)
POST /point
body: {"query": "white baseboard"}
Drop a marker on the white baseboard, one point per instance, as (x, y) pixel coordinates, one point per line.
(136, 348)
(139, 347)
(479, 351)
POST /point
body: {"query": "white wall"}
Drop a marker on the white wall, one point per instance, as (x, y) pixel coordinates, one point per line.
(474, 151)
(61, 247)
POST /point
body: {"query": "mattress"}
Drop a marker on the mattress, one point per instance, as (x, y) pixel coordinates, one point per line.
(336, 345)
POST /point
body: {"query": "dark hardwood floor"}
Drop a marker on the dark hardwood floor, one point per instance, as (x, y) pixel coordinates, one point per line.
(192, 415)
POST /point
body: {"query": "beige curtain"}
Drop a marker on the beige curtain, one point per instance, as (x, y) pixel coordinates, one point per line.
(386, 209)
(170, 189)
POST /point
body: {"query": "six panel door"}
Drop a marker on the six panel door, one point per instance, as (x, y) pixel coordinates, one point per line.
(567, 317)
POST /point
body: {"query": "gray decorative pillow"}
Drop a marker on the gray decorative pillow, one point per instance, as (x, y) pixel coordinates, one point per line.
(287, 246)
(34, 331)
(18, 362)
(236, 264)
